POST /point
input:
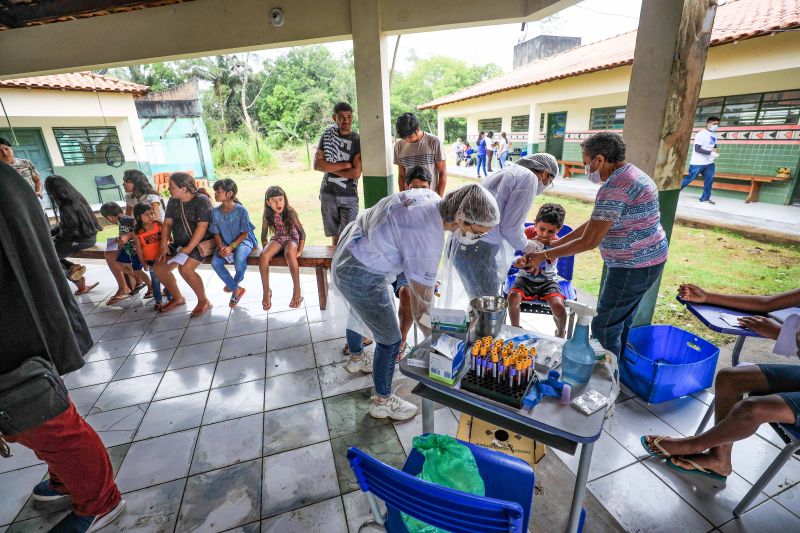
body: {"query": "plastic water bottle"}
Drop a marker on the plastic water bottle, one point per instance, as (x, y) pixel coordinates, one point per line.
(578, 356)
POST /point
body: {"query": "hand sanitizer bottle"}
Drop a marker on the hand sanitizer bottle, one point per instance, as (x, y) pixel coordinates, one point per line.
(578, 356)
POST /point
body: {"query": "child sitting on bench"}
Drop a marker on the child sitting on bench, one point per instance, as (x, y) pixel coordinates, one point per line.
(542, 285)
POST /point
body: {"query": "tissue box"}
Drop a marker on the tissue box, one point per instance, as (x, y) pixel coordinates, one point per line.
(446, 358)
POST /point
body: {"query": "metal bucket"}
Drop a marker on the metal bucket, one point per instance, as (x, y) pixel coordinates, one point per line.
(487, 315)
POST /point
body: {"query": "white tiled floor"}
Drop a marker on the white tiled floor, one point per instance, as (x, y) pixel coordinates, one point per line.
(206, 417)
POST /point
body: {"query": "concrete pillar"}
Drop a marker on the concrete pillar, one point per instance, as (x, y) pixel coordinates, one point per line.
(669, 59)
(533, 128)
(370, 53)
(440, 127)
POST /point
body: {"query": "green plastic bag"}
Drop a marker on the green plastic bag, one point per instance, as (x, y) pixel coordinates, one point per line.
(447, 463)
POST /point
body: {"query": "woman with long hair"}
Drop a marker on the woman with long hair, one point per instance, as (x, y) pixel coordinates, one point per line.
(139, 190)
(76, 227)
(281, 231)
(187, 220)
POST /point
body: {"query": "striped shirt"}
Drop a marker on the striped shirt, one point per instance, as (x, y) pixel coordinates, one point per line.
(426, 152)
(629, 200)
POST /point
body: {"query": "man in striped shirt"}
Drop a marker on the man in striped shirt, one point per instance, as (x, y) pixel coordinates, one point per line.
(416, 147)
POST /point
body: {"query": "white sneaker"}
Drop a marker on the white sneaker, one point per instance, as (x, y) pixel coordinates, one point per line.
(364, 364)
(395, 407)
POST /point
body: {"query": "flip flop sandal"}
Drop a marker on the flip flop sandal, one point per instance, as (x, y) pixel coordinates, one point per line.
(147, 295)
(298, 303)
(236, 297)
(169, 306)
(86, 289)
(116, 299)
(198, 312)
(138, 288)
(655, 443)
(78, 273)
(365, 343)
(265, 306)
(699, 470)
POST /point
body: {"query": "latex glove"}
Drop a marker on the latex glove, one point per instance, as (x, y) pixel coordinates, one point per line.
(533, 246)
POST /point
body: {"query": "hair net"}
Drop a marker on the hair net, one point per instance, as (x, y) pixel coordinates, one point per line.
(472, 204)
(539, 162)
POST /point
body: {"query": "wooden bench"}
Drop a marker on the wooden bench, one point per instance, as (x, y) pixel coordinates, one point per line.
(571, 167)
(317, 257)
(749, 184)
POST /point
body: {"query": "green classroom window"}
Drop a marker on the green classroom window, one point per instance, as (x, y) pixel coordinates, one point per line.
(84, 146)
(607, 118)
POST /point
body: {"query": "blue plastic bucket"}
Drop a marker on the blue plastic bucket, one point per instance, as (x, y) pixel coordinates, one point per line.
(667, 362)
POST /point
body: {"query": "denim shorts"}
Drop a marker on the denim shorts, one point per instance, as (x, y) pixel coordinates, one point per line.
(132, 260)
(399, 283)
(784, 380)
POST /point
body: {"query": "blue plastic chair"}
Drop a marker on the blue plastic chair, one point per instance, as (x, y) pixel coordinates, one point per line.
(505, 508)
(565, 267)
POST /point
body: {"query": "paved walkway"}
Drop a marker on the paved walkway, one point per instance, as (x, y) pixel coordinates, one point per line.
(777, 221)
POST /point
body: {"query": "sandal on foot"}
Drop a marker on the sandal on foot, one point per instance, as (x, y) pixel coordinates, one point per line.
(138, 288)
(236, 297)
(365, 342)
(147, 295)
(226, 289)
(698, 470)
(86, 289)
(294, 304)
(78, 273)
(198, 311)
(656, 443)
(116, 298)
(172, 304)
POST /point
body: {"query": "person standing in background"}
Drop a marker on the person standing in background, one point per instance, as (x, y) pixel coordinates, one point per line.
(490, 149)
(416, 147)
(704, 152)
(502, 149)
(339, 157)
(24, 167)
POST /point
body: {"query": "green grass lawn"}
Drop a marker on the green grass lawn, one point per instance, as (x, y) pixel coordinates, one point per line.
(715, 259)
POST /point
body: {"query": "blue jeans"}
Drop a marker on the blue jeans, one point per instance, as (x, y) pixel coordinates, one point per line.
(156, 285)
(708, 179)
(481, 163)
(367, 295)
(382, 361)
(239, 265)
(503, 157)
(620, 295)
(476, 264)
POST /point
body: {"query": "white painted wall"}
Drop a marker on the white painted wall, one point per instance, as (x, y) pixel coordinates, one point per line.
(46, 109)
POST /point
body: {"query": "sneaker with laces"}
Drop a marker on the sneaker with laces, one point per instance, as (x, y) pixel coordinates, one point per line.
(394, 407)
(43, 492)
(363, 364)
(75, 523)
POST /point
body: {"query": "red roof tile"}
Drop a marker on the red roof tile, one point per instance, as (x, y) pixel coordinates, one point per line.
(76, 81)
(735, 21)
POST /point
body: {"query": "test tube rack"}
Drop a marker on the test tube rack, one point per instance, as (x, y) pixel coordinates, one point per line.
(489, 387)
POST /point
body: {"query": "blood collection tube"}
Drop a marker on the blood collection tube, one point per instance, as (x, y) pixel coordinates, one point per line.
(494, 364)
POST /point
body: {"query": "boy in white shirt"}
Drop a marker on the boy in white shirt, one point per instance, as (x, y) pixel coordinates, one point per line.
(704, 152)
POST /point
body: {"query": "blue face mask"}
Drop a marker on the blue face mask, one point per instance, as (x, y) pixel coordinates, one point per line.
(713, 127)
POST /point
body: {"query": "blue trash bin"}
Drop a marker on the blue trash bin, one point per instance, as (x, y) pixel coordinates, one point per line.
(664, 362)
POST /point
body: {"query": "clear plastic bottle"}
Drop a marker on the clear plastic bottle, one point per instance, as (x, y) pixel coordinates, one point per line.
(578, 356)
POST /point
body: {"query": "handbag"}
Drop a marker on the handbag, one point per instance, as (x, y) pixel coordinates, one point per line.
(204, 248)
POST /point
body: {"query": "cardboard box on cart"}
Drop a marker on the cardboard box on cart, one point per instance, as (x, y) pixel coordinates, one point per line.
(486, 435)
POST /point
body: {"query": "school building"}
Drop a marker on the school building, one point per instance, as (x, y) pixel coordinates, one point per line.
(84, 126)
(751, 81)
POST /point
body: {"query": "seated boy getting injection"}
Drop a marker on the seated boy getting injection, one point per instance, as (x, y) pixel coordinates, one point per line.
(544, 284)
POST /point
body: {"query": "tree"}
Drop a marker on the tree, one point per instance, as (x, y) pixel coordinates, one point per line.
(158, 76)
(224, 74)
(432, 78)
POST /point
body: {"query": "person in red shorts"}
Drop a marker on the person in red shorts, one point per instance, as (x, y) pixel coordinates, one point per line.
(41, 319)
(544, 283)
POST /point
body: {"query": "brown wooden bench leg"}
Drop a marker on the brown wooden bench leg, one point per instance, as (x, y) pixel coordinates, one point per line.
(322, 287)
(755, 188)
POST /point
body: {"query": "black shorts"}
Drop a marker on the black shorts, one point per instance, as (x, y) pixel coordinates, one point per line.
(784, 380)
(534, 289)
